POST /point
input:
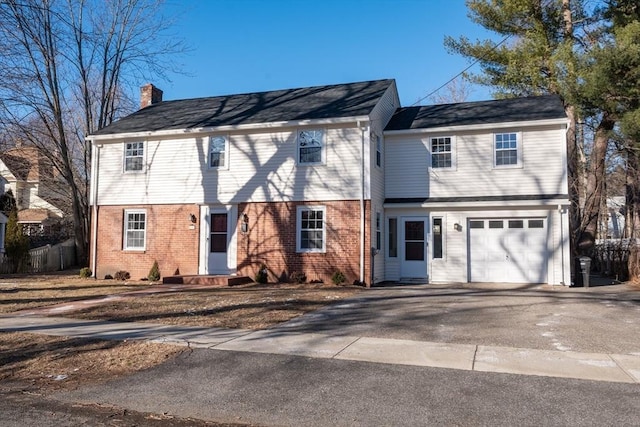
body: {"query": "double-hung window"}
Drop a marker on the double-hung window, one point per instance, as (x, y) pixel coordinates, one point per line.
(311, 236)
(218, 149)
(133, 156)
(506, 149)
(310, 147)
(442, 153)
(135, 229)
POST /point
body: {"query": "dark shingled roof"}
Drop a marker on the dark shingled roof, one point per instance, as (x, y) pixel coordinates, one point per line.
(320, 102)
(474, 113)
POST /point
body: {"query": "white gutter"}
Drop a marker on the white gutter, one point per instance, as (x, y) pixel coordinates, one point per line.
(363, 129)
(480, 204)
(481, 126)
(242, 127)
(95, 160)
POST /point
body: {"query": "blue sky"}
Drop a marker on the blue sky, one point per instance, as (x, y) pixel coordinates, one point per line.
(241, 46)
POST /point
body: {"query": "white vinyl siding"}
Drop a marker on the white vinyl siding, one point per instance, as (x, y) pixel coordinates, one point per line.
(262, 168)
(475, 175)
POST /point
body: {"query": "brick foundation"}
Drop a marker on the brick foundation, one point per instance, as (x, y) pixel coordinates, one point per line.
(271, 239)
(172, 240)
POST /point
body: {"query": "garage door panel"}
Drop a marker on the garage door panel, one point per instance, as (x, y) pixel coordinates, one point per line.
(508, 250)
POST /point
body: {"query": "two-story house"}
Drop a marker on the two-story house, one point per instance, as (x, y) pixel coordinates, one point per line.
(333, 178)
(30, 176)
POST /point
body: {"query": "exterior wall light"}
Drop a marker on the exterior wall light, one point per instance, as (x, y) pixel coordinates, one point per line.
(244, 227)
(457, 227)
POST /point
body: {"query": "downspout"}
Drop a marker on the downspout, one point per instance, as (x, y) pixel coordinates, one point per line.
(94, 213)
(560, 211)
(362, 207)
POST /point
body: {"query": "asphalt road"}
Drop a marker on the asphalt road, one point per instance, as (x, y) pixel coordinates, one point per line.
(292, 391)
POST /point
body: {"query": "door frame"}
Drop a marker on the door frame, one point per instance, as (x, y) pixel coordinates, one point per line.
(205, 229)
(401, 244)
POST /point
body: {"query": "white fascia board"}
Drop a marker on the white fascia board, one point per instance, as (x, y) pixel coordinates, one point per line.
(484, 126)
(250, 126)
(481, 204)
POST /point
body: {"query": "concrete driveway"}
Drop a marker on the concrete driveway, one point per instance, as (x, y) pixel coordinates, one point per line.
(600, 319)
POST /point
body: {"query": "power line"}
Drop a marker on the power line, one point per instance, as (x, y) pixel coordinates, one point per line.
(461, 72)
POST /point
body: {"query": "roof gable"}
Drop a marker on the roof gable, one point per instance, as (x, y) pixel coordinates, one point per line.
(320, 102)
(476, 113)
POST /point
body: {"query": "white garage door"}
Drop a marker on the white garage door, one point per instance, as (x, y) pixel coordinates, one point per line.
(509, 250)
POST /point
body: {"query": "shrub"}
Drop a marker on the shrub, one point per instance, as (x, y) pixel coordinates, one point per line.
(16, 244)
(261, 275)
(298, 277)
(154, 273)
(122, 275)
(85, 272)
(338, 277)
(108, 277)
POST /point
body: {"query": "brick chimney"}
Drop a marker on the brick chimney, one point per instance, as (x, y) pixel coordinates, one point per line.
(149, 95)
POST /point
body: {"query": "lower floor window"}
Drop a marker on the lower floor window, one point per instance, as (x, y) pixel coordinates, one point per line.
(135, 228)
(311, 229)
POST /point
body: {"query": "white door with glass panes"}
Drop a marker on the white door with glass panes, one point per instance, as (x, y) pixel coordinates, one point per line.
(413, 247)
(216, 234)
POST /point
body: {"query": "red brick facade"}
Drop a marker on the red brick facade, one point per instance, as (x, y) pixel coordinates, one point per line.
(172, 239)
(271, 239)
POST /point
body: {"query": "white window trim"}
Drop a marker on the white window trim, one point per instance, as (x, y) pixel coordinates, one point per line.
(299, 210)
(128, 212)
(377, 140)
(379, 235)
(453, 152)
(388, 240)
(145, 147)
(226, 153)
(443, 228)
(518, 150)
(323, 150)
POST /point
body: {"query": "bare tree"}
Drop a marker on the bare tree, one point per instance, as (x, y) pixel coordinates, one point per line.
(457, 90)
(66, 66)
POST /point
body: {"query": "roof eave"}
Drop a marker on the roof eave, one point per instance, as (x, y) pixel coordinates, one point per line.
(564, 202)
(479, 126)
(228, 128)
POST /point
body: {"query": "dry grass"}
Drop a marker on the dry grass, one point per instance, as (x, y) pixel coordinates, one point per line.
(49, 363)
(247, 307)
(21, 292)
(52, 363)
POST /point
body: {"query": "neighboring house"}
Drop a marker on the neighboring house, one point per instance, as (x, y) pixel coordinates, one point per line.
(29, 175)
(329, 178)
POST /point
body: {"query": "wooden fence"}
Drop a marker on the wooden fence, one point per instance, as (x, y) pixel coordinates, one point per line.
(44, 259)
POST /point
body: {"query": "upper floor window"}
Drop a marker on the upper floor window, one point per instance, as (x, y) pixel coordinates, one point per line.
(310, 147)
(218, 149)
(311, 229)
(506, 149)
(135, 228)
(442, 152)
(378, 152)
(133, 156)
